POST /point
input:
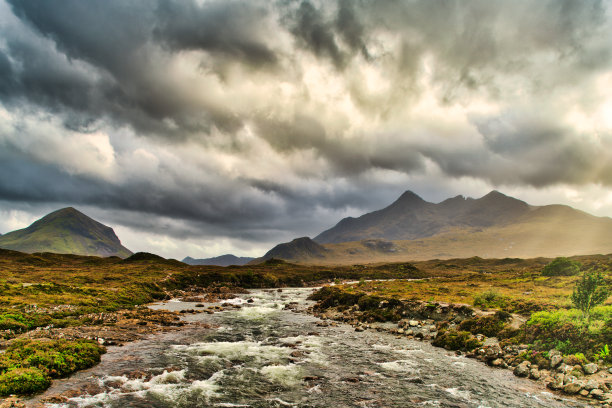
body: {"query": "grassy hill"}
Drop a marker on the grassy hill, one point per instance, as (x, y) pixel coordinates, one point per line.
(66, 231)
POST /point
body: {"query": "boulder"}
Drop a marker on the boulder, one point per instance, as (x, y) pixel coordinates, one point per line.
(591, 368)
(572, 388)
(557, 382)
(534, 374)
(413, 323)
(591, 385)
(555, 360)
(597, 394)
(498, 362)
(522, 370)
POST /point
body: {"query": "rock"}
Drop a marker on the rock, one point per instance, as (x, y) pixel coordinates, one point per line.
(12, 402)
(590, 385)
(400, 331)
(565, 369)
(597, 394)
(555, 360)
(358, 329)
(413, 323)
(572, 388)
(584, 393)
(522, 370)
(498, 362)
(591, 368)
(557, 382)
(534, 374)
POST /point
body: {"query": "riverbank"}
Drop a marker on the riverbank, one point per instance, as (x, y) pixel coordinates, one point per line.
(491, 337)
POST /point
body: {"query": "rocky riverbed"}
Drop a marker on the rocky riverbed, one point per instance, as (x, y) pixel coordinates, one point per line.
(437, 322)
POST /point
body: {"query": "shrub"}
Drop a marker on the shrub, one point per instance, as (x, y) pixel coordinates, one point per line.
(456, 340)
(561, 267)
(490, 298)
(589, 292)
(23, 381)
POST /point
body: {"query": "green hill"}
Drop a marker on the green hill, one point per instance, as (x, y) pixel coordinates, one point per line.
(66, 231)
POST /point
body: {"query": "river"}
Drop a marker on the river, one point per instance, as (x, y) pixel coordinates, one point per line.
(264, 355)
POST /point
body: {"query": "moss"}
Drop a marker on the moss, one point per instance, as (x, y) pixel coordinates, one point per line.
(23, 381)
(456, 340)
(37, 361)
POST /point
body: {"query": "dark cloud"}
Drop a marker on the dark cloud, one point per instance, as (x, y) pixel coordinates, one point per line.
(250, 112)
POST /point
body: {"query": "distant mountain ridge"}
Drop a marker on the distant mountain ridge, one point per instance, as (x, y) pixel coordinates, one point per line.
(66, 231)
(223, 260)
(493, 226)
(411, 217)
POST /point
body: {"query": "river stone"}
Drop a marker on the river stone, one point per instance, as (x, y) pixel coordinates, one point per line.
(522, 370)
(413, 323)
(572, 388)
(591, 384)
(498, 362)
(534, 374)
(400, 331)
(596, 393)
(555, 360)
(591, 368)
(557, 382)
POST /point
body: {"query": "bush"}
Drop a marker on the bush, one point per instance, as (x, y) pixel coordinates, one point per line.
(456, 340)
(589, 292)
(490, 298)
(490, 326)
(23, 381)
(562, 267)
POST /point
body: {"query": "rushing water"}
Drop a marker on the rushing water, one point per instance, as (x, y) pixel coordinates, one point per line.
(263, 355)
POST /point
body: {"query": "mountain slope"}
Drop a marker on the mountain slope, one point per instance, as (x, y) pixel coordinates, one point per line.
(223, 260)
(66, 231)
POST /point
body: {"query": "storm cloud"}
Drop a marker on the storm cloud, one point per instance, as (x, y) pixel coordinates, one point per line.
(258, 121)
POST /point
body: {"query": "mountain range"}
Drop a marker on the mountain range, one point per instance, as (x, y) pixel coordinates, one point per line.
(66, 231)
(494, 225)
(223, 260)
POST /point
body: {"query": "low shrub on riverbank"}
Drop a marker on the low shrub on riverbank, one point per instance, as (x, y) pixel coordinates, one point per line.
(456, 340)
(568, 332)
(27, 366)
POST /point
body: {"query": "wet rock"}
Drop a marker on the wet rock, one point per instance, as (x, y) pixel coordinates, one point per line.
(591, 384)
(250, 301)
(358, 329)
(12, 402)
(556, 382)
(572, 388)
(597, 394)
(498, 362)
(591, 368)
(534, 374)
(555, 360)
(522, 370)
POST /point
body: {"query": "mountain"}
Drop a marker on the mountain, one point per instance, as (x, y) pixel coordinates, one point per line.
(223, 260)
(411, 217)
(66, 231)
(299, 249)
(493, 226)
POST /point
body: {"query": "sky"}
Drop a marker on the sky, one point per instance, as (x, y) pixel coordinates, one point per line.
(205, 127)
